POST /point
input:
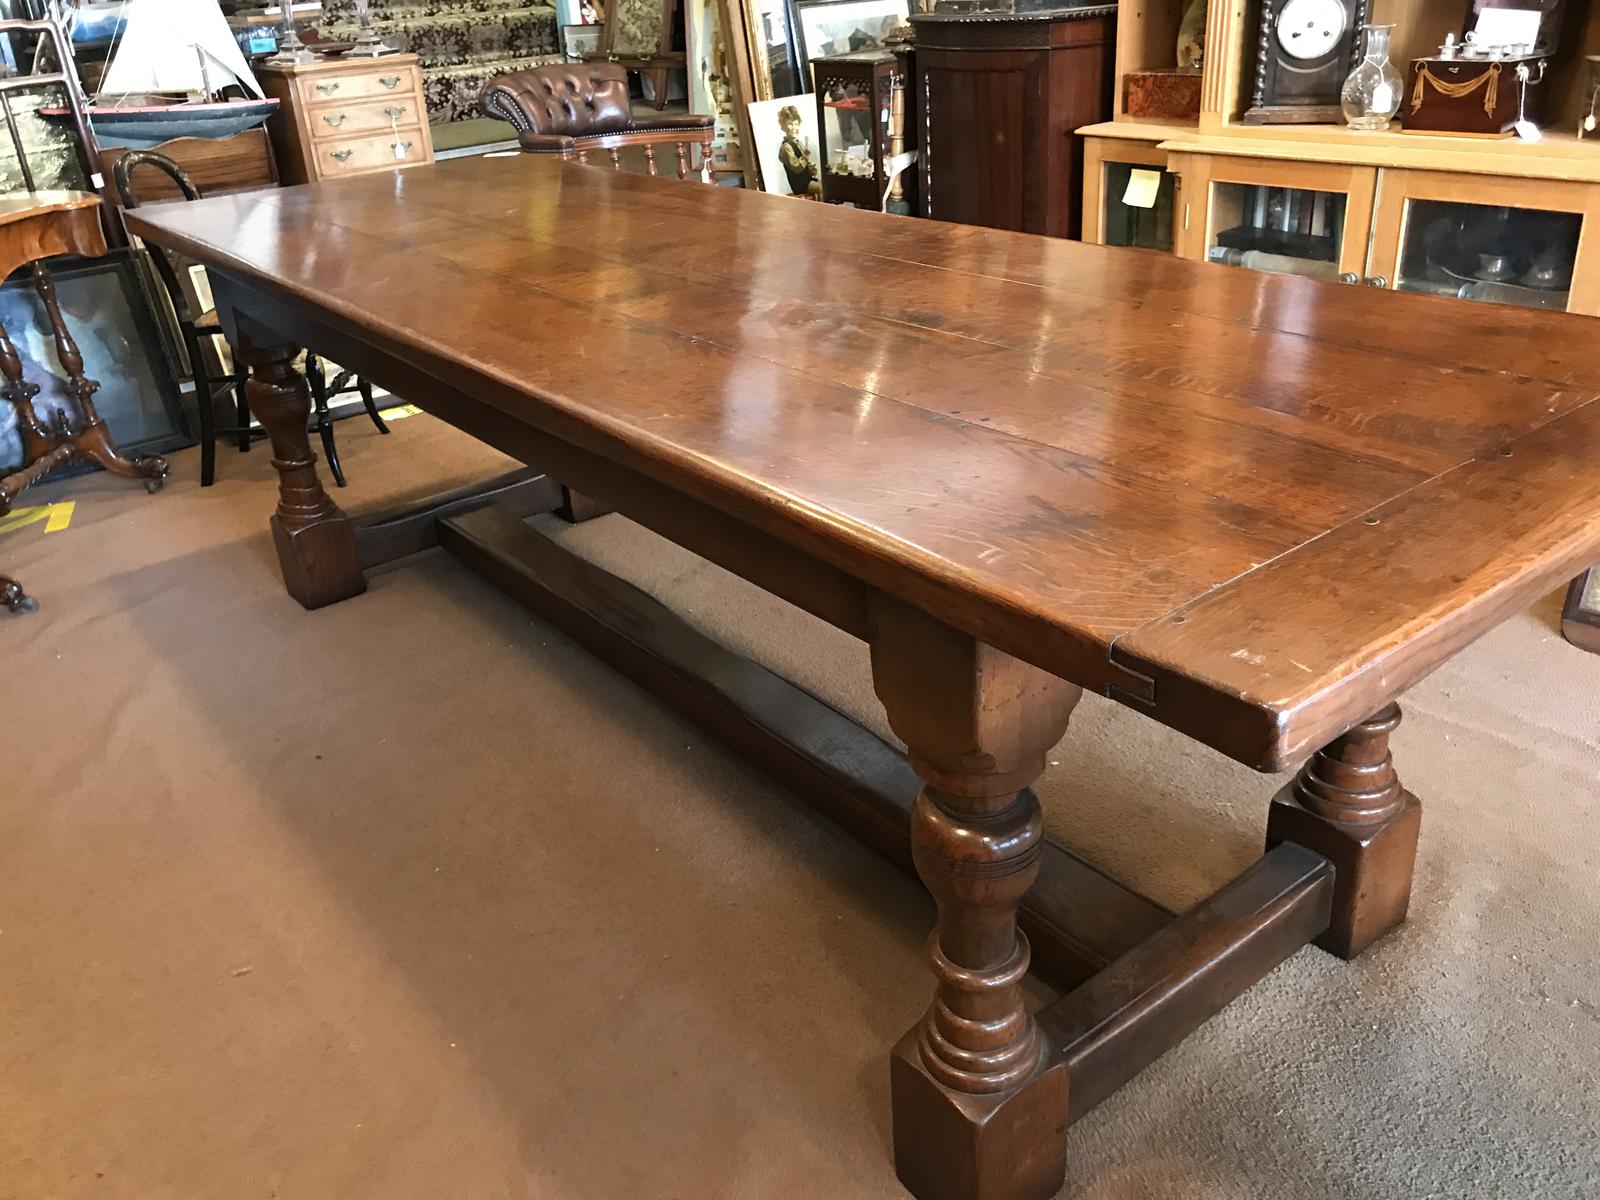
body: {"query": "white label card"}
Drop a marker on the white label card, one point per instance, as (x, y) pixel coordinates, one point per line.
(1508, 26)
(1142, 188)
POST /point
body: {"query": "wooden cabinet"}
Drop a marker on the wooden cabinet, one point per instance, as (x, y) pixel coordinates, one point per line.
(1000, 95)
(1109, 219)
(1557, 221)
(1467, 235)
(1481, 219)
(342, 117)
(1309, 213)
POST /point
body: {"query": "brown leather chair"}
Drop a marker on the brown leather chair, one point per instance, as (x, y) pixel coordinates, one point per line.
(574, 109)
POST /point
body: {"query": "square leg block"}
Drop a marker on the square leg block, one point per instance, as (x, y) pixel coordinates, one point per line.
(951, 1146)
(319, 561)
(1372, 864)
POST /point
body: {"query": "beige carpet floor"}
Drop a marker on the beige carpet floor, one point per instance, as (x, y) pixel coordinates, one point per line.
(411, 898)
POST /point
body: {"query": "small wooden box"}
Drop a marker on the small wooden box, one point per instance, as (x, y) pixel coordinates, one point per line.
(1170, 93)
(1469, 97)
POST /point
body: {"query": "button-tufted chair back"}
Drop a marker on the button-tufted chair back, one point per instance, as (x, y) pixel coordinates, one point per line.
(577, 109)
(574, 99)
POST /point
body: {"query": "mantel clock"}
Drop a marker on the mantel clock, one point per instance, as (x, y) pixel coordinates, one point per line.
(1304, 50)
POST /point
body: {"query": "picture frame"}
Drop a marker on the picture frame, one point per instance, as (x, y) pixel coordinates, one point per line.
(1580, 614)
(787, 119)
(581, 42)
(109, 316)
(823, 27)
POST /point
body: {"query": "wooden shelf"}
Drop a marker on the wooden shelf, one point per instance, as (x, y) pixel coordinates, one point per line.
(1143, 129)
(1559, 156)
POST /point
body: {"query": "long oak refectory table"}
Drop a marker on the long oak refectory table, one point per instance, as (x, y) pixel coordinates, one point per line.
(1254, 508)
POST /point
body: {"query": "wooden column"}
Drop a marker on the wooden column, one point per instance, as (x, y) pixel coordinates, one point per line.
(980, 1096)
(1347, 804)
(316, 542)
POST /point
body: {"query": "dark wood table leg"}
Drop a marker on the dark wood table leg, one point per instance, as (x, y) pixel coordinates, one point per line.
(578, 508)
(316, 542)
(37, 441)
(1347, 804)
(92, 438)
(979, 1094)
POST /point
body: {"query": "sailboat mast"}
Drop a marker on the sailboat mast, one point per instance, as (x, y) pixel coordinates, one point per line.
(205, 76)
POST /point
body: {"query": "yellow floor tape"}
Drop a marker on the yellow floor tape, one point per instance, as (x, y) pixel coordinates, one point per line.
(56, 517)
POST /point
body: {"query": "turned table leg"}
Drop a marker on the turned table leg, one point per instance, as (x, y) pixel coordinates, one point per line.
(979, 1094)
(93, 438)
(37, 441)
(1347, 804)
(316, 542)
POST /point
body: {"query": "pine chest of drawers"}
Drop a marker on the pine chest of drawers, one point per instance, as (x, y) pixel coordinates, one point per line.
(341, 117)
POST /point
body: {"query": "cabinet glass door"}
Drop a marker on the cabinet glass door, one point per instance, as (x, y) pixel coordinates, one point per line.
(1139, 202)
(1283, 230)
(1489, 252)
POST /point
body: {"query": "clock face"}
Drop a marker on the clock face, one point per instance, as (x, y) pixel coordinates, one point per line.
(1310, 29)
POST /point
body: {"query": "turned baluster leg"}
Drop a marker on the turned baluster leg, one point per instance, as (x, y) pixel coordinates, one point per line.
(650, 160)
(93, 439)
(1348, 805)
(979, 1095)
(316, 542)
(37, 441)
(705, 160)
(12, 596)
(616, 157)
(683, 159)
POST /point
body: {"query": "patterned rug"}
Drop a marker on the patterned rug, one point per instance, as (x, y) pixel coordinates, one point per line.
(461, 43)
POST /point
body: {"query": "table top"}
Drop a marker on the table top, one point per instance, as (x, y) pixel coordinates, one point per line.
(20, 205)
(1255, 507)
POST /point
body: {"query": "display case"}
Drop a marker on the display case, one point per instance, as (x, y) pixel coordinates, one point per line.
(1307, 219)
(855, 111)
(1131, 198)
(1507, 219)
(1488, 239)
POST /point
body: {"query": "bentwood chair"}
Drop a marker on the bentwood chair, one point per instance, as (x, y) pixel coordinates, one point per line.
(210, 387)
(576, 109)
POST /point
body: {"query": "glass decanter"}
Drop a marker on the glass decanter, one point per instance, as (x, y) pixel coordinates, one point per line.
(1371, 93)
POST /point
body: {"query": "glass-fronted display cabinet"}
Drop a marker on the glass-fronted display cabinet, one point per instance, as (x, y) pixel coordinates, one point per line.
(1130, 198)
(1284, 230)
(1308, 219)
(1488, 239)
(856, 117)
(1138, 206)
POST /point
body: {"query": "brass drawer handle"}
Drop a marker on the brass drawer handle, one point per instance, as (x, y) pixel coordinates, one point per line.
(336, 120)
(401, 149)
(399, 110)
(390, 81)
(328, 89)
(340, 155)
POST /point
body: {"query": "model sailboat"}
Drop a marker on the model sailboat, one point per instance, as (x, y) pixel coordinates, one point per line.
(166, 74)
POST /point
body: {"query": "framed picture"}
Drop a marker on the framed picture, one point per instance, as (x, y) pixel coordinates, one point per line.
(840, 27)
(579, 42)
(108, 314)
(785, 132)
(1580, 616)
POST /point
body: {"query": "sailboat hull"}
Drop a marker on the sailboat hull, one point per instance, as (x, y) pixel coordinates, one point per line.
(143, 126)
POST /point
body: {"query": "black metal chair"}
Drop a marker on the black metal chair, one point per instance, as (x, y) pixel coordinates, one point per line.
(209, 387)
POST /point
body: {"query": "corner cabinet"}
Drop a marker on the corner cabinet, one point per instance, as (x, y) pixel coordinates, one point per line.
(999, 95)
